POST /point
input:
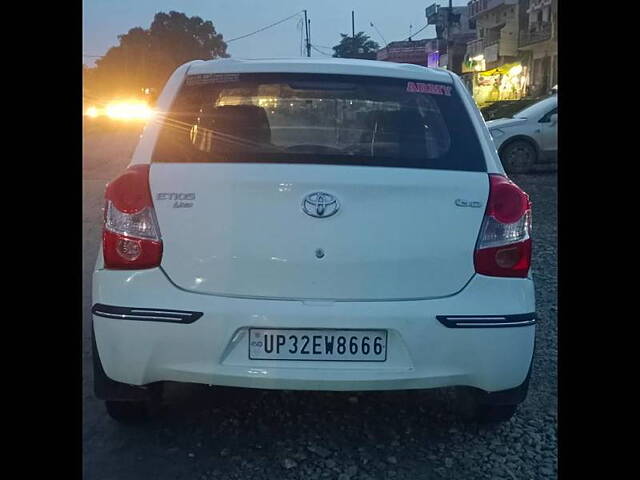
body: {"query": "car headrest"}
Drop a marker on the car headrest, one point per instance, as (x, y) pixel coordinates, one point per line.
(248, 122)
(405, 128)
(401, 122)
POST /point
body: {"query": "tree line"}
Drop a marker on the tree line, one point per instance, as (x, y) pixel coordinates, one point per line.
(145, 58)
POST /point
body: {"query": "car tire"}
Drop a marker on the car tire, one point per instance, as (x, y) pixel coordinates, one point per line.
(128, 412)
(518, 156)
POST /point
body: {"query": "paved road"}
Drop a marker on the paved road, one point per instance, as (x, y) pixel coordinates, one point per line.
(207, 433)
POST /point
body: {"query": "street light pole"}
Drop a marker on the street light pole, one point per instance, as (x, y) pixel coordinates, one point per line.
(379, 33)
(448, 41)
(306, 27)
(353, 24)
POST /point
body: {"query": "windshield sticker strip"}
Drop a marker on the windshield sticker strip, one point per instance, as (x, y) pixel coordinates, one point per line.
(432, 88)
(212, 78)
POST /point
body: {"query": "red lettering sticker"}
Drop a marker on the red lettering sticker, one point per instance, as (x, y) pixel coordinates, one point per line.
(411, 87)
(431, 88)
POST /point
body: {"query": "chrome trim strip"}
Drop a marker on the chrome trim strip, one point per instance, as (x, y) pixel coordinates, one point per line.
(152, 311)
(481, 318)
(487, 321)
(145, 314)
(137, 317)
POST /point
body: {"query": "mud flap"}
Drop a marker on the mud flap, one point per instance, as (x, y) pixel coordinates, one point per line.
(107, 389)
(512, 396)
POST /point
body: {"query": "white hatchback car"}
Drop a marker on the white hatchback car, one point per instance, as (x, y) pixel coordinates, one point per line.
(314, 225)
(529, 139)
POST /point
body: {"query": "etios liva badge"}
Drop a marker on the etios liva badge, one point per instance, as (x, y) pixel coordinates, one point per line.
(468, 203)
(179, 199)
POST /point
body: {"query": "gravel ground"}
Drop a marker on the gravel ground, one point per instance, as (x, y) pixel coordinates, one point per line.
(223, 433)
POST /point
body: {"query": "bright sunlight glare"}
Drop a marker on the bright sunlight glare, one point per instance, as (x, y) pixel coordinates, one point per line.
(128, 111)
(93, 112)
(122, 110)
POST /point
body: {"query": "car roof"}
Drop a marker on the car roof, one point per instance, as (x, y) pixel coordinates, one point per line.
(342, 66)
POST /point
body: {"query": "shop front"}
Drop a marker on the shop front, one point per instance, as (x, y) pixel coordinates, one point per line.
(506, 82)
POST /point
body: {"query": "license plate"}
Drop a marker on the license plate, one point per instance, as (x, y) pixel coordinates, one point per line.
(318, 345)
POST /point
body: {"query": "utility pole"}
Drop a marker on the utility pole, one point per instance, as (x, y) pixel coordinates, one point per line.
(306, 27)
(353, 25)
(449, 21)
(353, 34)
(448, 39)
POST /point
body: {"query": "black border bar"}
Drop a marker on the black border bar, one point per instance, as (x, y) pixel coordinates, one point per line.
(487, 321)
(145, 314)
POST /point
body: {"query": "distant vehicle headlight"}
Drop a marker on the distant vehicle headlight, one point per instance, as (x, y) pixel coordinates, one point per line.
(128, 111)
(92, 112)
(496, 132)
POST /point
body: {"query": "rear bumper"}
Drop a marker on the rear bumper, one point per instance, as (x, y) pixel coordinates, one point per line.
(140, 342)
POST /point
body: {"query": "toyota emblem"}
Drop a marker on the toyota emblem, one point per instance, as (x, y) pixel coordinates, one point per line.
(320, 205)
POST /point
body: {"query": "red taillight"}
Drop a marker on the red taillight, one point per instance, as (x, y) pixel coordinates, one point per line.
(131, 237)
(504, 245)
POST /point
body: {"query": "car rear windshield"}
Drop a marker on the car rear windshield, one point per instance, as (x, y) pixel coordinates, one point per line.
(319, 119)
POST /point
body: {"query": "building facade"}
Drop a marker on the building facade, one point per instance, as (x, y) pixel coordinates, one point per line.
(493, 68)
(538, 44)
(419, 52)
(453, 31)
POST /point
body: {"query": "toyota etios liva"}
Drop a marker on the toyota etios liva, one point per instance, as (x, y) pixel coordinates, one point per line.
(314, 225)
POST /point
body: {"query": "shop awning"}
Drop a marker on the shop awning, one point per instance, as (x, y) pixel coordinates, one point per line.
(502, 69)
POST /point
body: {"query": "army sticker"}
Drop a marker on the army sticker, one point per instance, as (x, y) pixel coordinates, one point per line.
(432, 88)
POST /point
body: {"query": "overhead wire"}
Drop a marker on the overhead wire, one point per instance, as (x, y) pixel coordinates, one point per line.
(265, 28)
(411, 35)
(320, 51)
(239, 37)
